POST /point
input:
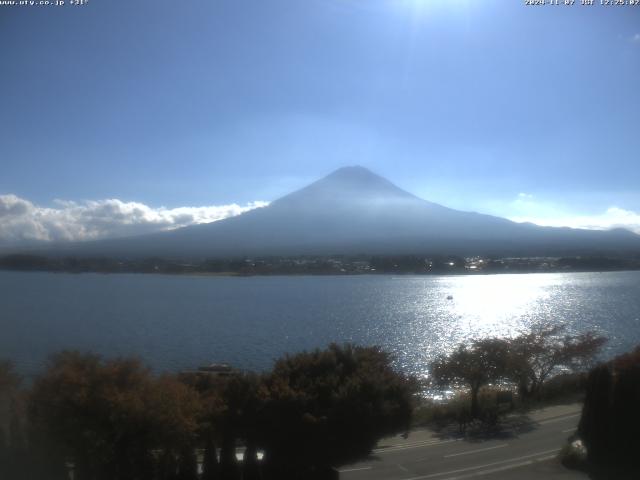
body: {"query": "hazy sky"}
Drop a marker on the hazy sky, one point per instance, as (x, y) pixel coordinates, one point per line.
(121, 106)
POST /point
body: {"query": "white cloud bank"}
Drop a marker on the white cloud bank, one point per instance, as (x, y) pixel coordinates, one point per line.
(614, 217)
(22, 220)
(526, 207)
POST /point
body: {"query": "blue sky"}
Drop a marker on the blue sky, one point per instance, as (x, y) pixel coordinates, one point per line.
(524, 112)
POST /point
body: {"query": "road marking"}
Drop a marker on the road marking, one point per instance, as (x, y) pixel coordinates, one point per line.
(431, 443)
(559, 419)
(426, 443)
(502, 469)
(476, 467)
(404, 445)
(569, 430)
(357, 469)
(469, 452)
(404, 469)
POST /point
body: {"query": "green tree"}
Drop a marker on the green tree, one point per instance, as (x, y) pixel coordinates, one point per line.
(230, 415)
(329, 407)
(472, 366)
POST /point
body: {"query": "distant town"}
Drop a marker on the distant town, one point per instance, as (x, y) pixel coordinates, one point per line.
(324, 265)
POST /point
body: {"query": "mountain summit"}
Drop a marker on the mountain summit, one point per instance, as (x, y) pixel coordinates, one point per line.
(355, 211)
(359, 180)
(348, 185)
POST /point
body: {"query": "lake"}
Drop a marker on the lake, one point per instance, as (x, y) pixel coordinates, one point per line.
(180, 322)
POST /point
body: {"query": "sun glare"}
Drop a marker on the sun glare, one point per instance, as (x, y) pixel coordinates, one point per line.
(426, 6)
(490, 303)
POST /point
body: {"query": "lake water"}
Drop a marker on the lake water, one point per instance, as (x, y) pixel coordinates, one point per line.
(178, 322)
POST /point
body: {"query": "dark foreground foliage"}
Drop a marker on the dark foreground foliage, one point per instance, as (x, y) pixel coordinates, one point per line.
(338, 401)
(115, 420)
(610, 422)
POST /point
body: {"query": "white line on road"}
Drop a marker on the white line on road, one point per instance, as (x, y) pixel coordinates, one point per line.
(502, 469)
(559, 419)
(431, 443)
(404, 445)
(476, 467)
(568, 430)
(345, 470)
(469, 452)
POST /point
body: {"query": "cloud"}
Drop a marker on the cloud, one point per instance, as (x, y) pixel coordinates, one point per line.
(22, 220)
(636, 38)
(613, 217)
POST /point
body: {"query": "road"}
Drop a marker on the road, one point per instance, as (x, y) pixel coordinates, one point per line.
(525, 447)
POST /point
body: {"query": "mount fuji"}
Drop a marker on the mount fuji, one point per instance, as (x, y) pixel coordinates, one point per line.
(355, 211)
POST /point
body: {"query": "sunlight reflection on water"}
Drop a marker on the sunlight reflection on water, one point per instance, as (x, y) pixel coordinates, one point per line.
(444, 311)
(176, 322)
(449, 310)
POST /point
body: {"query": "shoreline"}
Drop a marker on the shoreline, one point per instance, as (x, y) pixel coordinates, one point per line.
(307, 274)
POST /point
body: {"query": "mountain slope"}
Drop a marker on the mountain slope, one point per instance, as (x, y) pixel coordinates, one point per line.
(354, 210)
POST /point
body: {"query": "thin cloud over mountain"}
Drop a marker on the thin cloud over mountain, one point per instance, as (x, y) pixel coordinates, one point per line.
(350, 211)
(613, 217)
(21, 220)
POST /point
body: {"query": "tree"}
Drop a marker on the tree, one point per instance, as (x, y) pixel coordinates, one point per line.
(473, 366)
(238, 420)
(110, 416)
(544, 350)
(231, 407)
(12, 439)
(611, 419)
(9, 380)
(9, 383)
(329, 407)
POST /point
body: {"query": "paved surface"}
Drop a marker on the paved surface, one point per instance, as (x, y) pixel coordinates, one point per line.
(522, 447)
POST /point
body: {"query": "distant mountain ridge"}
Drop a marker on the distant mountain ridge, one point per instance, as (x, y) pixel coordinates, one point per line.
(355, 211)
